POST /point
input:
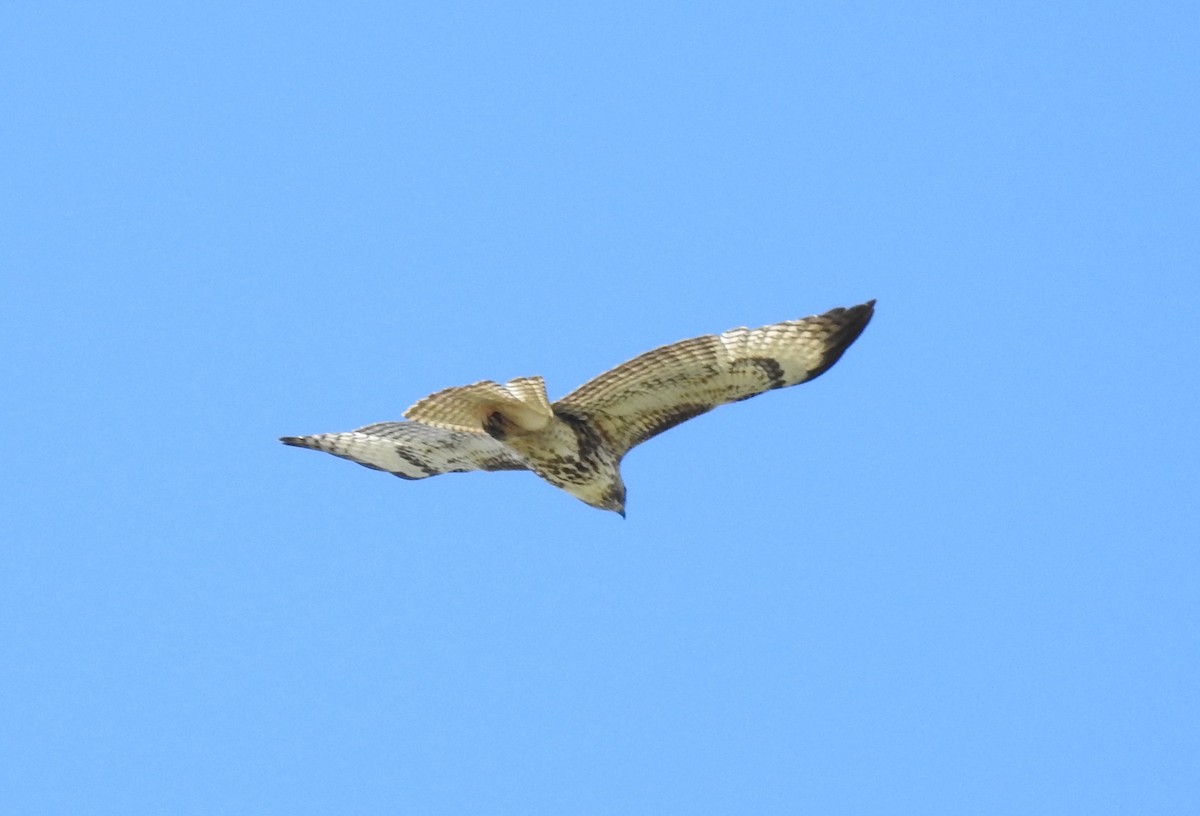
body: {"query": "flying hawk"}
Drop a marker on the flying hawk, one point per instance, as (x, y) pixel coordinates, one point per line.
(578, 442)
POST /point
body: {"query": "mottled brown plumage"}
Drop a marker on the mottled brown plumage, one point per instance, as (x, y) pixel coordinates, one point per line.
(578, 442)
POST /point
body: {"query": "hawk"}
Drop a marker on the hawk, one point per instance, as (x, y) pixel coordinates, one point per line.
(578, 442)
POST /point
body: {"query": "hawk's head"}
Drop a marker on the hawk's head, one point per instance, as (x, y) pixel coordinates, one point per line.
(613, 498)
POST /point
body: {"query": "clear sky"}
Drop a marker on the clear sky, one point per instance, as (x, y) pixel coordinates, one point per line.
(959, 574)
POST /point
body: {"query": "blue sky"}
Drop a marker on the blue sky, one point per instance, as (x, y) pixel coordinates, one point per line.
(957, 574)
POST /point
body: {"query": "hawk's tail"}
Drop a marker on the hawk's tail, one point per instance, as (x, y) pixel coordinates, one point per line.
(522, 403)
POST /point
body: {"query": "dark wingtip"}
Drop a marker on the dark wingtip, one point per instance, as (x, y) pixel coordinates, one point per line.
(292, 440)
(850, 323)
(859, 316)
(862, 312)
(853, 320)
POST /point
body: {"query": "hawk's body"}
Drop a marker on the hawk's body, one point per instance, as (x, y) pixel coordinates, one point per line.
(578, 442)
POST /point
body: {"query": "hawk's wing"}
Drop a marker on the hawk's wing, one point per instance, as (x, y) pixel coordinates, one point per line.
(412, 450)
(664, 387)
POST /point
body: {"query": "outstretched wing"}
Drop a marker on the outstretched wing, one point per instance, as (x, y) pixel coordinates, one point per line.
(671, 384)
(412, 450)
